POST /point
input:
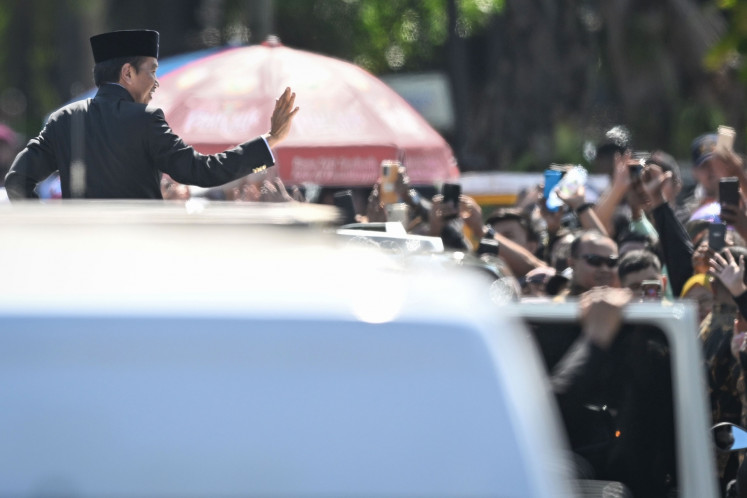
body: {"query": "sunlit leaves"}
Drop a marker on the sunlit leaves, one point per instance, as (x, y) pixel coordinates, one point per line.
(730, 51)
(389, 35)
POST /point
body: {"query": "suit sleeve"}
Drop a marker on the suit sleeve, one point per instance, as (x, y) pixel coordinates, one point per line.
(185, 165)
(676, 247)
(32, 165)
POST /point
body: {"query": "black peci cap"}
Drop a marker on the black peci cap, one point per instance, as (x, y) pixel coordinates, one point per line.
(130, 43)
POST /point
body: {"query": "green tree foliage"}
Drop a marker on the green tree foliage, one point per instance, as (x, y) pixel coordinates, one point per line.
(380, 35)
(732, 47)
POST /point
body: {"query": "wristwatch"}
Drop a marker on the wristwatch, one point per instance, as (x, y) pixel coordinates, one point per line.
(583, 207)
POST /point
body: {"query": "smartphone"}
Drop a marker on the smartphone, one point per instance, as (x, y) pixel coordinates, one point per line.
(451, 193)
(725, 140)
(636, 164)
(552, 177)
(389, 174)
(728, 191)
(344, 202)
(716, 236)
(635, 171)
(651, 289)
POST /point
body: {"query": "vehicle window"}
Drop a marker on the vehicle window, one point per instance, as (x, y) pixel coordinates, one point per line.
(616, 405)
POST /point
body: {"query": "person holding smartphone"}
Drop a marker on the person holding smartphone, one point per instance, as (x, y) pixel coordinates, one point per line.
(714, 158)
(640, 271)
(732, 208)
(716, 334)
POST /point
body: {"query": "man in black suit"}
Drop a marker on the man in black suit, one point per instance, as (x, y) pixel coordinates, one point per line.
(115, 147)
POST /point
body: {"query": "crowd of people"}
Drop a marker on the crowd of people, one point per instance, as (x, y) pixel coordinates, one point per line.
(644, 239)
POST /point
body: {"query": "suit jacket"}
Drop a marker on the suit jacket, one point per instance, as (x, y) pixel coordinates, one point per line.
(111, 147)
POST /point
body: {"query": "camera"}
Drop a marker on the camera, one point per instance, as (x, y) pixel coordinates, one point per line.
(637, 164)
(651, 289)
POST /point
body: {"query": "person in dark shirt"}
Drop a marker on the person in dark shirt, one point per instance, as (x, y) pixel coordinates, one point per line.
(116, 147)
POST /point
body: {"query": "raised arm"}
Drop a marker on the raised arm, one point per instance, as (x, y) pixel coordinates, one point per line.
(621, 182)
(282, 117)
(586, 212)
(676, 246)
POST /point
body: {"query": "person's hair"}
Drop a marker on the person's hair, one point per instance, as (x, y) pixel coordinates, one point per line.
(629, 236)
(616, 140)
(637, 260)
(108, 71)
(620, 223)
(558, 249)
(695, 227)
(667, 163)
(586, 236)
(510, 214)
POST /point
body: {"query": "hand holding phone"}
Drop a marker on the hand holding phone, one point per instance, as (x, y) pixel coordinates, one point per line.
(728, 191)
(725, 140)
(552, 201)
(344, 201)
(451, 193)
(636, 165)
(389, 173)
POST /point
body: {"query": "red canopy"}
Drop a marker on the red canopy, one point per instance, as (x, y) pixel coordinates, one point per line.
(348, 123)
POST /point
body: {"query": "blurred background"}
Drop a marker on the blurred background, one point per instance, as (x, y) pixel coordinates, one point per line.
(511, 84)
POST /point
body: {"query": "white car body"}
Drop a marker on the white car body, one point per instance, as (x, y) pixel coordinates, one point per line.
(154, 352)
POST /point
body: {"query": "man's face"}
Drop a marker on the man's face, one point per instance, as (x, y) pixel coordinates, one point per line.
(706, 176)
(595, 264)
(512, 230)
(142, 83)
(633, 280)
(703, 297)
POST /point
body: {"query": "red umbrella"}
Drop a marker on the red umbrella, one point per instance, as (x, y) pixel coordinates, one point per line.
(349, 120)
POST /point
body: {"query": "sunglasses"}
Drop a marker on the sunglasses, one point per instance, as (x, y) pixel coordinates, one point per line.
(596, 260)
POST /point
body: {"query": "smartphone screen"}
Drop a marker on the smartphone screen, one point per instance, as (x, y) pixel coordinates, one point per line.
(552, 177)
(451, 193)
(728, 191)
(635, 171)
(716, 236)
(388, 191)
(636, 164)
(344, 201)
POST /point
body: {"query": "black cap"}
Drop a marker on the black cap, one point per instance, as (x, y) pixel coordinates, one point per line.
(130, 43)
(703, 148)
